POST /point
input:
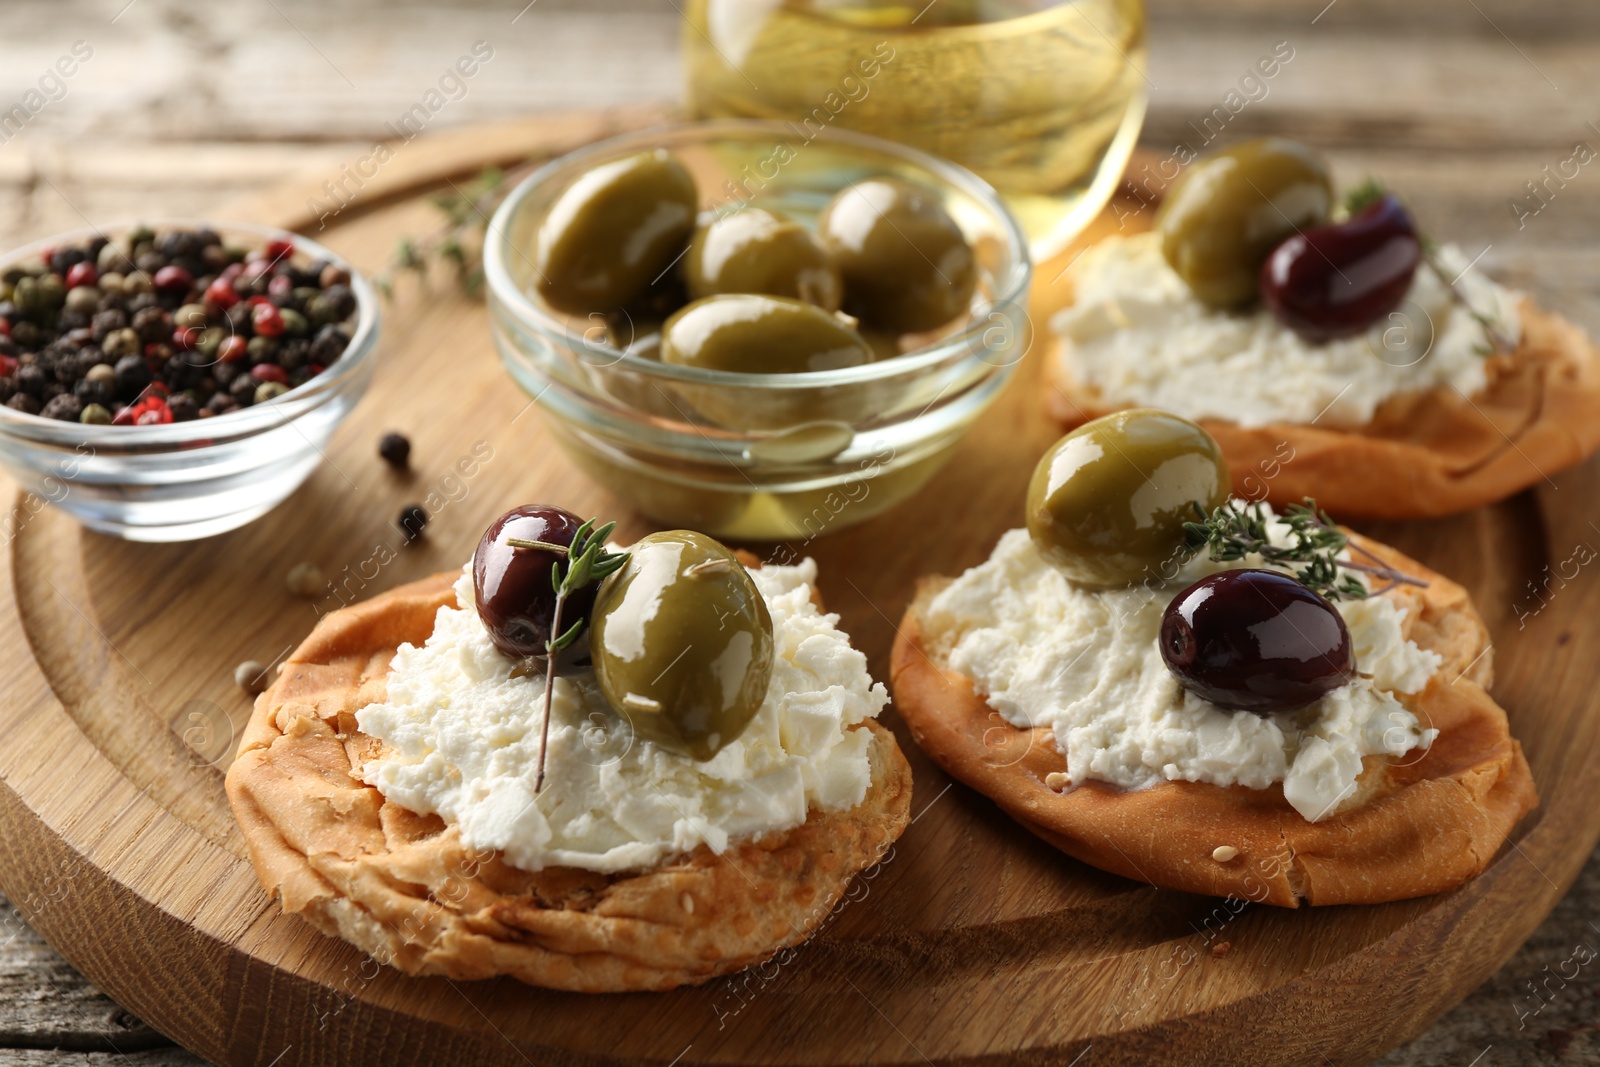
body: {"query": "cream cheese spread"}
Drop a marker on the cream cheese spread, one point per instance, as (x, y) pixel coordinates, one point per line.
(462, 730)
(1085, 663)
(1138, 336)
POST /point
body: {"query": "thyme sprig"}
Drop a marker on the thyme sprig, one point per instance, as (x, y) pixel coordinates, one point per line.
(1238, 529)
(587, 562)
(456, 245)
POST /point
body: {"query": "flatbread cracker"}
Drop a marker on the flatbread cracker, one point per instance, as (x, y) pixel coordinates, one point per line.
(1424, 454)
(1417, 825)
(404, 888)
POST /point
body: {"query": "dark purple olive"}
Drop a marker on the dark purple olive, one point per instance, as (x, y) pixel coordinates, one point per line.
(1336, 280)
(1255, 641)
(515, 597)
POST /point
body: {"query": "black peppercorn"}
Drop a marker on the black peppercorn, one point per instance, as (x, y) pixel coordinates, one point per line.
(31, 379)
(329, 345)
(132, 375)
(395, 450)
(65, 407)
(183, 406)
(24, 403)
(412, 521)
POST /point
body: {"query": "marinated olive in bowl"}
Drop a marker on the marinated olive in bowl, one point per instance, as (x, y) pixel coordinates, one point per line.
(760, 251)
(614, 231)
(745, 442)
(1231, 208)
(682, 643)
(907, 267)
(1108, 502)
(761, 335)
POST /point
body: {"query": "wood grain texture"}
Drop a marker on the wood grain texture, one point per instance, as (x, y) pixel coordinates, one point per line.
(976, 944)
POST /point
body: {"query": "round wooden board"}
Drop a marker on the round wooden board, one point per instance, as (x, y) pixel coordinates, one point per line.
(974, 944)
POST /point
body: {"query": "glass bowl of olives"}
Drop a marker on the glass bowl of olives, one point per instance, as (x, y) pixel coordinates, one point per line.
(171, 474)
(740, 330)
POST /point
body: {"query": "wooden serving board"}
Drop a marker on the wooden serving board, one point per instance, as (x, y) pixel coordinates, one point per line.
(974, 944)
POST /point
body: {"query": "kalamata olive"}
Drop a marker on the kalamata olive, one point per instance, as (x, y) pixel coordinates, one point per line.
(682, 643)
(1108, 501)
(760, 335)
(1336, 280)
(906, 265)
(514, 594)
(759, 251)
(1253, 640)
(613, 232)
(1231, 208)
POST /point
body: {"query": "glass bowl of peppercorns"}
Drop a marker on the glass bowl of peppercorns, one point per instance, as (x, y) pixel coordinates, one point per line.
(174, 380)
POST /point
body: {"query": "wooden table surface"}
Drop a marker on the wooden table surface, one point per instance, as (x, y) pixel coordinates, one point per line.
(1458, 104)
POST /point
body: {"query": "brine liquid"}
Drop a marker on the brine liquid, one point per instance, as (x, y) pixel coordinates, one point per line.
(1042, 99)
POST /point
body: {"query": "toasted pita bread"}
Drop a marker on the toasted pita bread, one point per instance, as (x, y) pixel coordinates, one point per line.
(1424, 454)
(1416, 825)
(404, 887)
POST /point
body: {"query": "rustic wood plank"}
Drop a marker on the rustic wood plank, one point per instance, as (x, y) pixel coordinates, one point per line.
(45, 1004)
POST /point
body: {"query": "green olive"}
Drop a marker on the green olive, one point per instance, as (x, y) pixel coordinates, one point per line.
(1231, 208)
(760, 335)
(613, 232)
(1108, 501)
(757, 251)
(682, 643)
(906, 265)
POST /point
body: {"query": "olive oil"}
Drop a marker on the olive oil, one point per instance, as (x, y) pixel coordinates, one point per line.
(1043, 99)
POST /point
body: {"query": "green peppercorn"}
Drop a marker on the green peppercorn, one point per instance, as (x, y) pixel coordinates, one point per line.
(322, 311)
(137, 283)
(5, 291)
(261, 349)
(269, 391)
(95, 415)
(25, 294)
(140, 235)
(52, 291)
(210, 340)
(84, 300)
(123, 342)
(192, 316)
(101, 374)
(294, 323)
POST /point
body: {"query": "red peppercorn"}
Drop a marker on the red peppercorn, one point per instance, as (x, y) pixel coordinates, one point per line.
(231, 272)
(280, 286)
(221, 293)
(47, 253)
(267, 321)
(155, 413)
(278, 249)
(258, 301)
(183, 338)
(269, 372)
(81, 274)
(8, 364)
(233, 349)
(5, 327)
(173, 280)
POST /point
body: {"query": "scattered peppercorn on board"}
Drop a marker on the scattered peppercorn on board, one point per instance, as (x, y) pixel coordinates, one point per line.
(973, 943)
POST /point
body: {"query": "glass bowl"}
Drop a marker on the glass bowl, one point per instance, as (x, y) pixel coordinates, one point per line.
(185, 480)
(760, 456)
